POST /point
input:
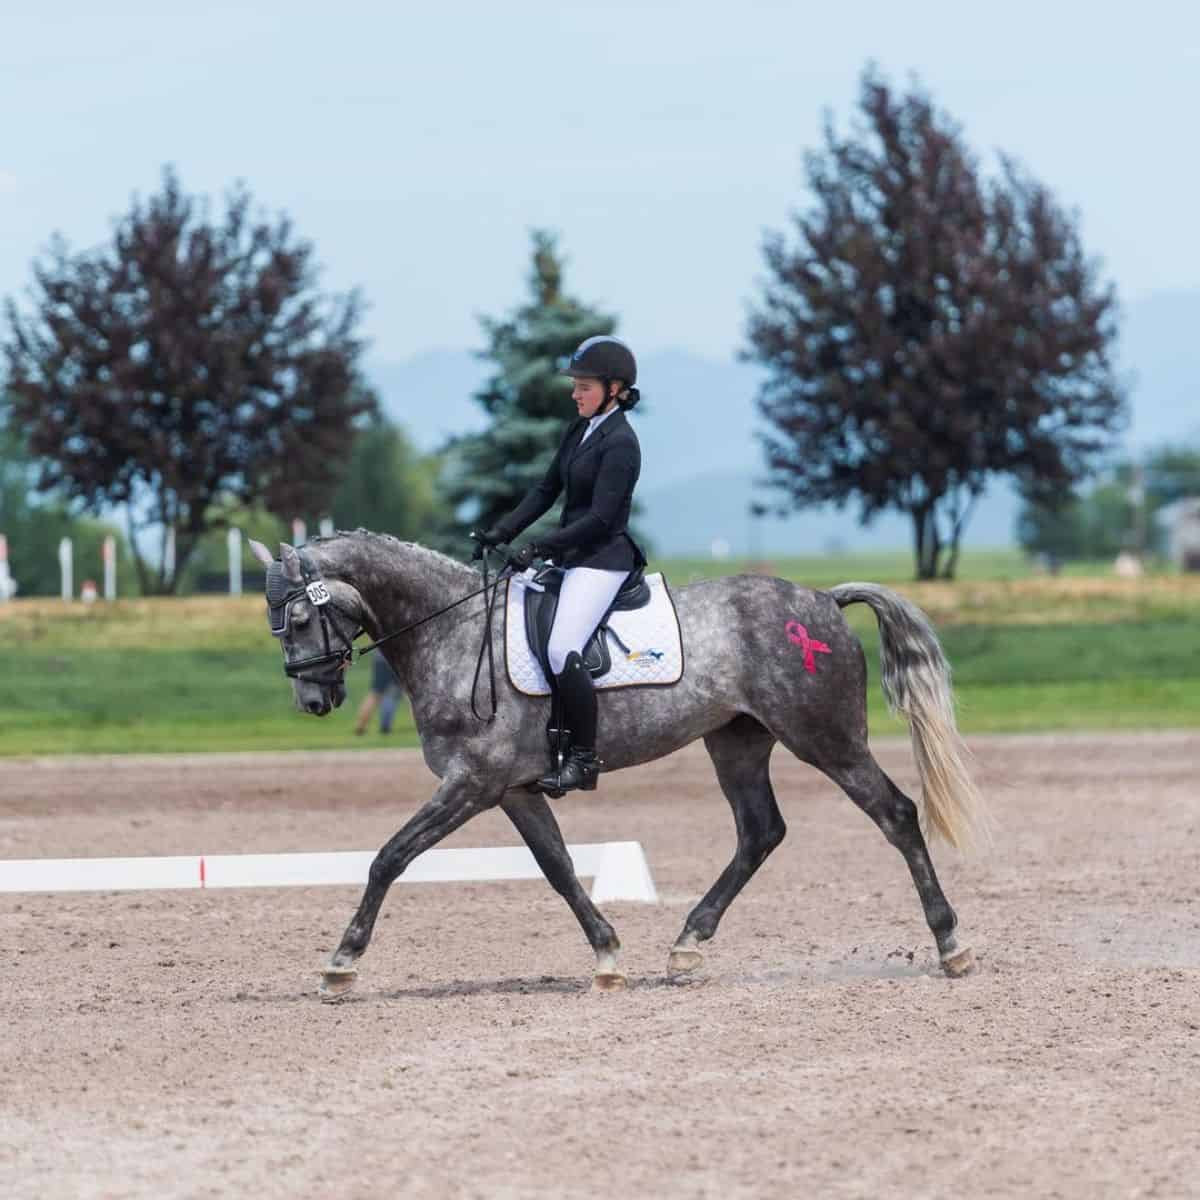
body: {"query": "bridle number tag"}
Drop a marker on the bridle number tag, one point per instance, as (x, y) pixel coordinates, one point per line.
(318, 593)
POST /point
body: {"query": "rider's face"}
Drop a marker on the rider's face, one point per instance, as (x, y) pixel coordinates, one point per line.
(588, 395)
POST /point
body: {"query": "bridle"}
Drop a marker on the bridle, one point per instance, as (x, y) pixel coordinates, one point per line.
(281, 593)
(323, 669)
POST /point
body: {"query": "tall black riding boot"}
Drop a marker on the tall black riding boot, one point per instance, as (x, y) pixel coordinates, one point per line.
(578, 698)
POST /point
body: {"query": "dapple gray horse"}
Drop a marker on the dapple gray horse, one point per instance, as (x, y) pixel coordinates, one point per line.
(767, 661)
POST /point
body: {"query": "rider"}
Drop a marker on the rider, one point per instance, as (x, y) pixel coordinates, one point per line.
(598, 462)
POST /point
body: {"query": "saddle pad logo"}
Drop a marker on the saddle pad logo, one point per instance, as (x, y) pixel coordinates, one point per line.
(647, 659)
(798, 636)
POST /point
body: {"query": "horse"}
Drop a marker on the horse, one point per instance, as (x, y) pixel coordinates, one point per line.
(767, 662)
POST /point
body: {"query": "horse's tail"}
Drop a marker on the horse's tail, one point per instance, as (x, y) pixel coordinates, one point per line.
(916, 682)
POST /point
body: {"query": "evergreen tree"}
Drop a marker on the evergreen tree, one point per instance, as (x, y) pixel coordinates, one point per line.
(486, 474)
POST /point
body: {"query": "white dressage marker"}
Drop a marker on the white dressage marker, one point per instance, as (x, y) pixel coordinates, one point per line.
(619, 870)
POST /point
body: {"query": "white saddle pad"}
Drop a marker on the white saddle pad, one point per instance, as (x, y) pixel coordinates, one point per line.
(655, 654)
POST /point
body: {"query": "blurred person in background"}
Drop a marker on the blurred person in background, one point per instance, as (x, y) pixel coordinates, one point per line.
(384, 695)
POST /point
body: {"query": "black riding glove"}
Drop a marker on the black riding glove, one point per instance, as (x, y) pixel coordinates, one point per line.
(485, 539)
(522, 559)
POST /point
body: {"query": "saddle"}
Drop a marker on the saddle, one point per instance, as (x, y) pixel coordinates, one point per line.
(540, 607)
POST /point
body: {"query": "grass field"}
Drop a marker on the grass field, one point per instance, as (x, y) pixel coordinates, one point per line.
(881, 566)
(203, 673)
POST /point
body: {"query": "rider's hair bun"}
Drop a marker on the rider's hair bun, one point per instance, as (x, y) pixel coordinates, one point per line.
(629, 398)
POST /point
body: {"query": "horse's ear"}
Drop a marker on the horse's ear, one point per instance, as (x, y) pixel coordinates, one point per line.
(291, 563)
(261, 553)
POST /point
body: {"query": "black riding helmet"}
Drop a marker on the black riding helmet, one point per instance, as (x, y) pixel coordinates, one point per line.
(609, 360)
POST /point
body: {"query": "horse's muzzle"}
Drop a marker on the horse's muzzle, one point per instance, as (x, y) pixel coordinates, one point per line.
(319, 700)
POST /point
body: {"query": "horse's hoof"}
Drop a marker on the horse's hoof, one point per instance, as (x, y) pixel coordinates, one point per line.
(959, 962)
(609, 981)
(336, 983)
(681, 961)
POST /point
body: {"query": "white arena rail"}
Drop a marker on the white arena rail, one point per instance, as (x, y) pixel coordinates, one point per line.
(618, 870)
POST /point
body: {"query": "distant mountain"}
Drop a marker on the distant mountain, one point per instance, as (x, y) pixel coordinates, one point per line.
(430, 393)
(700, 457)
(694, 515)
(695, 412)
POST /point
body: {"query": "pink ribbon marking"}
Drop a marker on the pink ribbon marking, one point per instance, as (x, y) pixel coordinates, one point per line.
(798, 635)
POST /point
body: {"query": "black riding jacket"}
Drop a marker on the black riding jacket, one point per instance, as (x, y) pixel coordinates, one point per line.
(599, 478)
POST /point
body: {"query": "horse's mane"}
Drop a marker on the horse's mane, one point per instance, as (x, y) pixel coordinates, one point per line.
(382, 547)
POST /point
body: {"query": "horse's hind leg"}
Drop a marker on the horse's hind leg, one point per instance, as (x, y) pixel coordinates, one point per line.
(741, 753)
(869, 786)
(536, 824)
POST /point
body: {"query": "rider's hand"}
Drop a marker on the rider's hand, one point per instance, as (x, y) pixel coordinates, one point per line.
(486, 538)
(522, 559)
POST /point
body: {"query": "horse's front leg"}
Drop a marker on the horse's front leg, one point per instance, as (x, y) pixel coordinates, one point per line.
(536, 824)
(458, 799)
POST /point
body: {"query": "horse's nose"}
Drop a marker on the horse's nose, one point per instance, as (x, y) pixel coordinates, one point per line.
(316, 707)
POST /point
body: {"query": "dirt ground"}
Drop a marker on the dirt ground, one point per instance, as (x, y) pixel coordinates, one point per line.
(171, 1044)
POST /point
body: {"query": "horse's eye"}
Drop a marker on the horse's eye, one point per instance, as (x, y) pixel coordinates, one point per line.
(300, 615)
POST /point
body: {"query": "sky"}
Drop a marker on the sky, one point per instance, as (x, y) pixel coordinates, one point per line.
(416, 144)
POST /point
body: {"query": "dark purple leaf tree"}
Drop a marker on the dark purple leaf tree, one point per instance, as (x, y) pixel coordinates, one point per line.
(189, 366)
(924, 329)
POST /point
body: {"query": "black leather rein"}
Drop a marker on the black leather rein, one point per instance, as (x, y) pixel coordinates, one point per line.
(485, 645)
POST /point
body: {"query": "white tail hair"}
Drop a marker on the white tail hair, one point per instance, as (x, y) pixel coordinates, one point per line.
(916, 682)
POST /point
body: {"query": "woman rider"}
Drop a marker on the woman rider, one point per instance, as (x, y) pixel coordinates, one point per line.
(597, 462)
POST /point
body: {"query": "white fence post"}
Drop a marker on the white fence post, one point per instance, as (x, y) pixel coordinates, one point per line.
(169, 556)
(109, 554)
(8, 586)
(327, 527)
(299, 531)
(66, 562)
(234, 540)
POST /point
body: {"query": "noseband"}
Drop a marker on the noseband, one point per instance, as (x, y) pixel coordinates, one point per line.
(281, 594)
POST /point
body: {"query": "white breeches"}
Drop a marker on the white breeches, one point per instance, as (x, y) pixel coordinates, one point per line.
(584, 599)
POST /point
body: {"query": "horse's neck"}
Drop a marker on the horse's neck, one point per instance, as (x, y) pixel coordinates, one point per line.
(401, 582)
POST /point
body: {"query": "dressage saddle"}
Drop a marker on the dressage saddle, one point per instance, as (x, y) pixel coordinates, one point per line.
(540, 608)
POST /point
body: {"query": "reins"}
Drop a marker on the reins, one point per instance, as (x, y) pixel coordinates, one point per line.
(485, 645)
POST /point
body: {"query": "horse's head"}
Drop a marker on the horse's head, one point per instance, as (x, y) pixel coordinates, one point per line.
(316, 621)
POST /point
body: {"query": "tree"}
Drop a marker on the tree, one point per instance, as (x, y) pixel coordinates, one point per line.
(926, 328)
(388, 486)
(34, 529)
(1095, 523)
(1172, 472)
(187, 366)
(486, 474)
(1119, 511)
